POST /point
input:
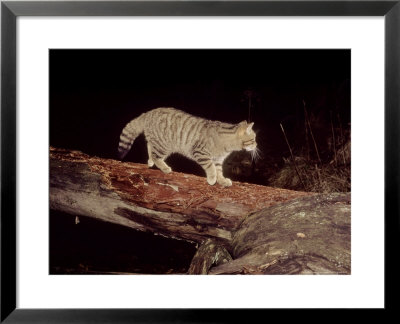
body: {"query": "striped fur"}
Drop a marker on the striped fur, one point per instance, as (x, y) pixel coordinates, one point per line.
(168, 130)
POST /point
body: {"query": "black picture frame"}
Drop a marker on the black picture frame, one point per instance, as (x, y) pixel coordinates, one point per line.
(10, 10)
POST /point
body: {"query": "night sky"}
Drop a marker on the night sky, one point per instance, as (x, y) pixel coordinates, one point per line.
(94, 93)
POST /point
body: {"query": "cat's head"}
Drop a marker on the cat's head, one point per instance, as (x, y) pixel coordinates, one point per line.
(247, 136)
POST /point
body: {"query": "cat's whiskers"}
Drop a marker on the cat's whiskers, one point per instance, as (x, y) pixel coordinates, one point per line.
(255, 154)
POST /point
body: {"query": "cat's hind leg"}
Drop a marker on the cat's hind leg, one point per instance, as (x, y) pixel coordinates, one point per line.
(159, 162)
(156, 157)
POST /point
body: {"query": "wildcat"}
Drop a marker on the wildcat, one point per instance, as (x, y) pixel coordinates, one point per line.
(169, 130)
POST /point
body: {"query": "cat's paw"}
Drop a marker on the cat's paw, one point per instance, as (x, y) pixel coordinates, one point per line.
(212, 180)
(166, 169)
(225, 182)
(150, 163)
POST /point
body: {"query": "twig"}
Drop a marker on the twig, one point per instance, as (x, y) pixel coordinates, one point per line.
(319, 177)
(312, 135)
(333, 137)
(342, 138)
(291, 153)
(307, 142)
(249, 117)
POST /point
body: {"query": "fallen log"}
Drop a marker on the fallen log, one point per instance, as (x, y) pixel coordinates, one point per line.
(308, 235)
(174, 205)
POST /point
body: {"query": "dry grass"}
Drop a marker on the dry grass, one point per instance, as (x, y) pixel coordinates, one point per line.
(314, 177)
(326, 172)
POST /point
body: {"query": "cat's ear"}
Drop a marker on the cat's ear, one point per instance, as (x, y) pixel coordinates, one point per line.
(249, 127)
(241, 127)
(244, 128)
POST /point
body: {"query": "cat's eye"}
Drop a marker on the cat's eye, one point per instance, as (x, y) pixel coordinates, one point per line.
(249, 142)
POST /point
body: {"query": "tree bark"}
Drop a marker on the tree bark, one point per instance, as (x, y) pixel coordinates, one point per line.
(249, 221)
(207, 255)
(308, 235)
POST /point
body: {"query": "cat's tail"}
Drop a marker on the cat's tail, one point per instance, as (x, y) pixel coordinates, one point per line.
(132, 130)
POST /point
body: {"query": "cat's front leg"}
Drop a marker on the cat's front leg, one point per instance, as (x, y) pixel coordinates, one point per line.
(208, 166)
(211, 175)
(220, 177)
(150, 162)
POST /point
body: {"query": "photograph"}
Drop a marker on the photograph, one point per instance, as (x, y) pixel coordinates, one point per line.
(146, 142)
(199, 161)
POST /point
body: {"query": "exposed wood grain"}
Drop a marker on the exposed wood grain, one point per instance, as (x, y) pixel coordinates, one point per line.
(176, 205)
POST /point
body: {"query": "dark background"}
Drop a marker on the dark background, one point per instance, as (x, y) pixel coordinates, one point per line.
(94, 93)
